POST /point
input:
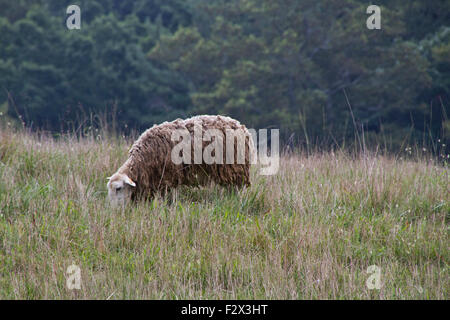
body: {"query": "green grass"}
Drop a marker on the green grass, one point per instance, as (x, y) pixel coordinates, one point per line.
(308, 232)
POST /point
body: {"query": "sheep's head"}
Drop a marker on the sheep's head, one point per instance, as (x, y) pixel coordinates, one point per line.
(120, 188)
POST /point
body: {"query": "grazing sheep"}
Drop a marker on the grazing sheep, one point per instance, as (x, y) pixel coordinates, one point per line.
(191, 152)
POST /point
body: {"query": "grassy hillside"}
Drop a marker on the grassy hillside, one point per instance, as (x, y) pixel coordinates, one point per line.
(309, 232)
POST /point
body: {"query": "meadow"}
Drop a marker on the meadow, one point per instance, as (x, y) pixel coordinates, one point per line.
(309, 232)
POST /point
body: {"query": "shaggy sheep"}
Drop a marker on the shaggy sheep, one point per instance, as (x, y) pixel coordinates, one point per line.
(154, 159)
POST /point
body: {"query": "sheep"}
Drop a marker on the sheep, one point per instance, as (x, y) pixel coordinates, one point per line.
(193, 152)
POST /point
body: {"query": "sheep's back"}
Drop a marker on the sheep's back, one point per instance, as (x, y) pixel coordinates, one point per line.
(154, 169)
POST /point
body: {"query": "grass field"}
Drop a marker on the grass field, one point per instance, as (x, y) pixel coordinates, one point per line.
(308, 232)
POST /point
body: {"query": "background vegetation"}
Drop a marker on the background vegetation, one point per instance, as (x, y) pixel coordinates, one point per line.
(293, 65)
(344, 97)
(308, 232)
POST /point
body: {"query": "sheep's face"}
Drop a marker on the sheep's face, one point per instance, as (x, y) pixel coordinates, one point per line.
(120, 188)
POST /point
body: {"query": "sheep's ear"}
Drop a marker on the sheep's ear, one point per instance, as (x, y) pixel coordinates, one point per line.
(127, 180)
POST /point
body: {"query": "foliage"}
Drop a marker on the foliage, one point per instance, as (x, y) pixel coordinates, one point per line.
(51, 76)
(308, 232)
(310, 68)
(305, 67)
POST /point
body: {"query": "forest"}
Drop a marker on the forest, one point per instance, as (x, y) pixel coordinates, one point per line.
(310, 68)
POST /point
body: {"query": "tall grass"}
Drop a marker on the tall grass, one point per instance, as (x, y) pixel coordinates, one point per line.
(308, 232)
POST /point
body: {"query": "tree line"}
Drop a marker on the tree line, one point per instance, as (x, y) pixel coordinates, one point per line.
(310, 68)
